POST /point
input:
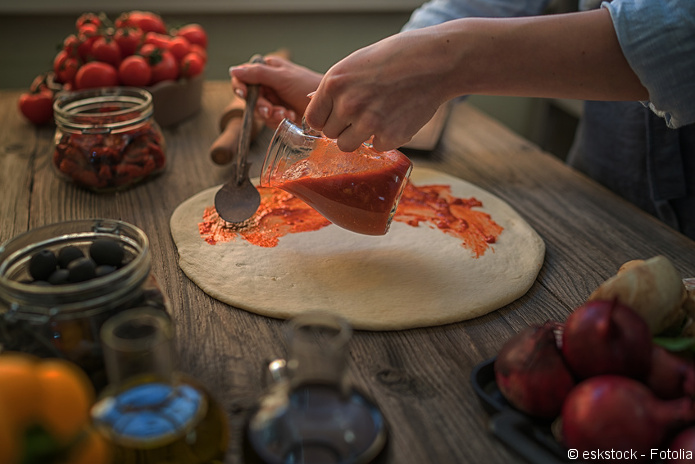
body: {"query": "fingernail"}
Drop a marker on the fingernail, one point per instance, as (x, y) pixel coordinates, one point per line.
(239, 93)
(311, 94)
(264, 110)
(231, 68)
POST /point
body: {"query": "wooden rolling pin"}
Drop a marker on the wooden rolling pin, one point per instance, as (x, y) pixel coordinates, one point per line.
(224, 147)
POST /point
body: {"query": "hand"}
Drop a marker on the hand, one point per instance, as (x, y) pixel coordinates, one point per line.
(388, 90)
(284, 88)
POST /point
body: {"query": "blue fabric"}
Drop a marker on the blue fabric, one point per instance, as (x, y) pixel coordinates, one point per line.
(643, 151)
(658, 40)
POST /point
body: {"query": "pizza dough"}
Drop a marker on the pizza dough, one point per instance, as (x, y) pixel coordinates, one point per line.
(410, 277)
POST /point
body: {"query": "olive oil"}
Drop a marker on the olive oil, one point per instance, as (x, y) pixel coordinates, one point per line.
(150, 413)
(158, 423)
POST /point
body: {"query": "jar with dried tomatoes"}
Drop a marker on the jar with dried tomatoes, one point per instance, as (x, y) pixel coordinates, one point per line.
(107, 139)
(60, 282)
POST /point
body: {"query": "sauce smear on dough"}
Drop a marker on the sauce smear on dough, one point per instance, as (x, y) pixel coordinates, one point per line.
(281, 213)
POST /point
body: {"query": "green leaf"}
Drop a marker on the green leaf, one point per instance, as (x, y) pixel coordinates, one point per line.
(676, 343)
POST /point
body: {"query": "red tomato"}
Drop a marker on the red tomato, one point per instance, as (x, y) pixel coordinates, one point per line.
(195, 34)
(179, 47)
(71, 44)
(195, 48)
(145, 20)
(65, 67)
(37, 107)
(106, 49)
(96, 74)
(88, 18)
(129, 39)
(191, 65)
(134, 70)
(160, 40)
(162, 62)
(86, 39)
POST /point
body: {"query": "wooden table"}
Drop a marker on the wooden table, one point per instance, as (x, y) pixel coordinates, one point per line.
(420, 378)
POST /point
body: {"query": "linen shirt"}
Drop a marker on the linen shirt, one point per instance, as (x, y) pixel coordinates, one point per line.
(644, 151)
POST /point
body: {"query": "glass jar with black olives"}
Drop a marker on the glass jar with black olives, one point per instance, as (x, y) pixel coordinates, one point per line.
(60, 282)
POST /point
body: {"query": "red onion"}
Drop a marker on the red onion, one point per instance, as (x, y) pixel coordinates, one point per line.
(611, 412)
(531, 373)
(670, 375)
(606, 337)
(682, 447)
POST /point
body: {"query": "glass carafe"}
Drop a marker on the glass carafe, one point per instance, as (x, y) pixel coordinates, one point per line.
(310, 414)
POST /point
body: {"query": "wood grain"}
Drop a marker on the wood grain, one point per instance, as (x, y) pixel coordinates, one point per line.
(420, 377)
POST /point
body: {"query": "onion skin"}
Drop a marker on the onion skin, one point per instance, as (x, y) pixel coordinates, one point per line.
(531, 373)
(670, 376)
(611, 412)
(606, 337)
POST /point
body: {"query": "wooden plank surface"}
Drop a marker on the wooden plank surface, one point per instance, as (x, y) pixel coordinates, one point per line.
(420, 378)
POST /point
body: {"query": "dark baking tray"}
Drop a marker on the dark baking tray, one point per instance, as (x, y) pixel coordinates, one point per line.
(529, 437)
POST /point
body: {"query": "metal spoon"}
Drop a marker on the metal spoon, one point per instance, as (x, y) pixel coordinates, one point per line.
(238, 199)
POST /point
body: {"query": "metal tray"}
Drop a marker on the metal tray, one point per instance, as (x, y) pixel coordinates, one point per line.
(531, 438)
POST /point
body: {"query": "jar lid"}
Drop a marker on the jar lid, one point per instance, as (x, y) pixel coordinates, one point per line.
(102, 110)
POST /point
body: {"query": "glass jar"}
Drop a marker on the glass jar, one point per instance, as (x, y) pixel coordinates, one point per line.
(106, 139)
(358, 191)
(64, 320)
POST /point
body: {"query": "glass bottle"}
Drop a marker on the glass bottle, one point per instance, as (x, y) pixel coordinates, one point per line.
(64, 320)
(150, 413)
(106, 139)
(358, 191)
(310, 414)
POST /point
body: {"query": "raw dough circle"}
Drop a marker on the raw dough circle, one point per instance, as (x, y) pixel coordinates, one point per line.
(410, 277)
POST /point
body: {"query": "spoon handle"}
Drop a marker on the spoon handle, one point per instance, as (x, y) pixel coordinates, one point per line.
(247, 127)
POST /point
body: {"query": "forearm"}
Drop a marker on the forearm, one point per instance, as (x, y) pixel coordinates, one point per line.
(571, 56)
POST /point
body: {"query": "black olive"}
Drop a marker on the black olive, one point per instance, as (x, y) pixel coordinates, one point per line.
(106, 251)
(81, 269)
(42, 264)
(67, 254)
(59, 276)
(104, 269)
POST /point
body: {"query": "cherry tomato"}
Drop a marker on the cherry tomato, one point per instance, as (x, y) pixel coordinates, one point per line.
(160, 40)
(179, 47)
(65, 66)
(71, 44)
(135, 70)
(86, 39)
(191, 65)
(106, 49)
(96, 74)
(162, 62)
(195, 34)
(88, 18)
(195, 48)
(145, 20)
(129, 39)
(37, 107)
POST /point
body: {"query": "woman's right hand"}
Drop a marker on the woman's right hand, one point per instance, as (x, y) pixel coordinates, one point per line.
(284, 88)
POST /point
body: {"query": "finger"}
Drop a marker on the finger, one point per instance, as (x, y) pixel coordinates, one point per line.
(318, 111)
(385, 143)
(351, 139)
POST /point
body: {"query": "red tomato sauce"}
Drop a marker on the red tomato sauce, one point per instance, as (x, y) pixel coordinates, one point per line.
(281, 213)
(354, 192)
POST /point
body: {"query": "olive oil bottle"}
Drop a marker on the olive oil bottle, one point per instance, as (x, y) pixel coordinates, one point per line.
(150, 413)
